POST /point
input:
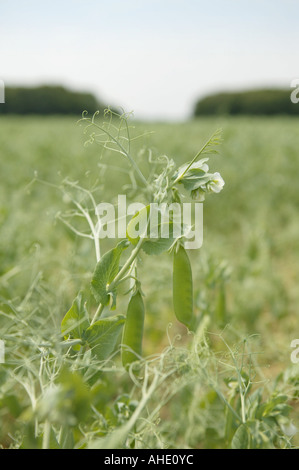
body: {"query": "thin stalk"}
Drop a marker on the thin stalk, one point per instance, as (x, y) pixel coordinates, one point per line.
(47, 434)
(71, 342)
(98, 313)
(125, 153)
(93, 230)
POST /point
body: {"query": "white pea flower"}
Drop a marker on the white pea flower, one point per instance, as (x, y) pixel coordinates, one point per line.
(216, 183)
(198, 194)
(196, 179)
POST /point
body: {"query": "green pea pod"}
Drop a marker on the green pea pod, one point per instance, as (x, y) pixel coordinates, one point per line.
(133, 330)
(182, 287)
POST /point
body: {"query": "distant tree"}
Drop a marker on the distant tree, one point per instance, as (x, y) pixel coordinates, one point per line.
(48, 100)
(255, 102)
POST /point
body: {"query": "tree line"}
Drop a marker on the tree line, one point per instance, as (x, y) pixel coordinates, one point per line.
(45, 99)
(267, 102)
(48, 100)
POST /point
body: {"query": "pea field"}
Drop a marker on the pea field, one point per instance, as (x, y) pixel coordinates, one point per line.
(208, 362)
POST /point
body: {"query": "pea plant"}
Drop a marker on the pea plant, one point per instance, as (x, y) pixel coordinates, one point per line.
(97, 327)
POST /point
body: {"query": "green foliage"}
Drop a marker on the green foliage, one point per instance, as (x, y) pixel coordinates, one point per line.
(102, 335)
(47, 100)
(105, 271)
(151, 246)
(255, 102)
(241, 438)
(75, 321)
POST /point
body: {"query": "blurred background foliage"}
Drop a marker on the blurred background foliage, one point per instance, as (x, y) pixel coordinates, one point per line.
(267, 102)
(48, 99)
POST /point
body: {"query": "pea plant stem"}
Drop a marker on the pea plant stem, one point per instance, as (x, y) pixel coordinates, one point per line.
(208, 142)
(93, 230)
(119, 277)
(47, 434)
(98, 313)
(127, 264)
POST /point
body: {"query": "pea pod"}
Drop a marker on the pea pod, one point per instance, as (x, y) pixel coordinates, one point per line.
(133, 330)
(182, 287)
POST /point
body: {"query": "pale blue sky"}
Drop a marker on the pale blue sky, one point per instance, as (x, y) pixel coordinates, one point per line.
(153, 57)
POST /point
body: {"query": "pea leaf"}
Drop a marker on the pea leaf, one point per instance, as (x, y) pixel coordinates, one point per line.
(75, 321)
(152, 245)
(140, 217)
(195, 177)
(103, 335)
(240, 439)
(156, 246)
(194, 182)
(105, 271)
(197, 168)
